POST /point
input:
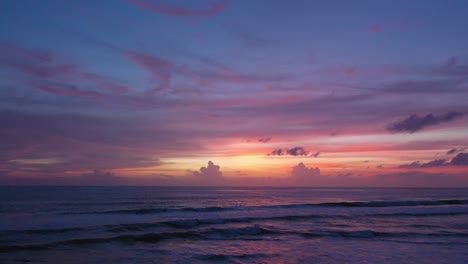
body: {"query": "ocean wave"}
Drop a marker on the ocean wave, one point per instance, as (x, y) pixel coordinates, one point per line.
(141, 211)
(229, 233)
(373, 234)
(231, 257)
(196, 222)
(211, 233)
(396, 203)
(190, 223)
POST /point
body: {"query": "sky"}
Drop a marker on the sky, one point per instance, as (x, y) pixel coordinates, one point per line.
(234, 92)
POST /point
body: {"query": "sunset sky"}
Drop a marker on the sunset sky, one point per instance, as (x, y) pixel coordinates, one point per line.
(234, 92)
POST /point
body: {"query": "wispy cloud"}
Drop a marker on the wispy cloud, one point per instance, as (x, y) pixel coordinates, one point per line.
(36, 54)
(416, 122)
(455, 150)
(264, 139)
(419, 164)
(63, 89)
(461, 159)
(159, 68)
(213, 9)
(51, 73)
(315, 155)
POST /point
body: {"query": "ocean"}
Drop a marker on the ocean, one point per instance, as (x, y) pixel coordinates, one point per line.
(232, 225)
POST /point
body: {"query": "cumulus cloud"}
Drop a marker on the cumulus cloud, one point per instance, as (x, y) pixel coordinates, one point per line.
(211, 172)
(459, 160)
(296, 151)
(300, 171)
(276, 152)
(416, 122)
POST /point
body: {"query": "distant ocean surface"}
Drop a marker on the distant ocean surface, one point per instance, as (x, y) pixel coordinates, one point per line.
(232, 225)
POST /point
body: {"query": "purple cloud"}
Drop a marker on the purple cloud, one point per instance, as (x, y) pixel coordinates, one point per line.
(460, 159)
(210, 174)
(40, 71)
(105, 83)
(264, 139)
(419, 164)
(276, 152)
(300, 171)
(416, 122)
(173, 10)
(159, 68)
(315, 155)
(49, 72)
(296, 151)
(410, 87)
(18, 51)
(63, 89)
(34, 62)
(455, 150)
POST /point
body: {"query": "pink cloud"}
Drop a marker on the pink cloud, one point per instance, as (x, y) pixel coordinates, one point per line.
(42, 71)
(159, 68)
(50, 67)
(105, 83)
(163, 70)
(173, 10)
(376, 29)
(34, 62)
(36, 54)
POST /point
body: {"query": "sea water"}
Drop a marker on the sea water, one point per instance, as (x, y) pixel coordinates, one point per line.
(232, 225)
